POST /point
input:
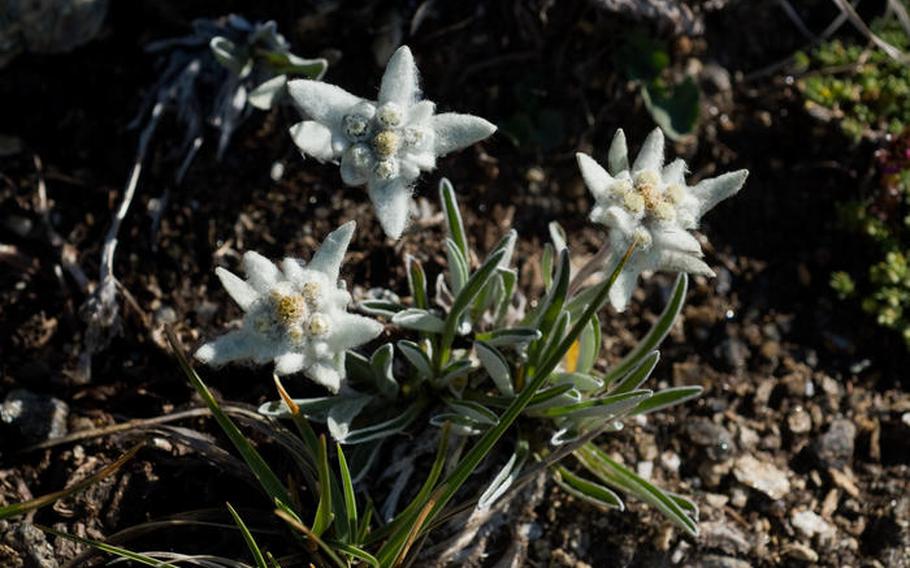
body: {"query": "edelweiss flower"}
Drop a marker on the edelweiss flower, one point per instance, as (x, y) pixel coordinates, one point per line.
(651, 202)
(295, 316)
(384, 144)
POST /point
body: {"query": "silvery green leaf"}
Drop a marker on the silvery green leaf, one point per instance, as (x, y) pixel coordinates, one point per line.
(581, 381)
(558, 236)
(637, 376)
(358, 367)
(496, 366)
(604, 407)
(268, 93)
(420, 320)
(514, 336)
(227, 54)
(381, 307)
(454, 222)
(458, 424)
(313, 408)
(342, 414)
(618, 159)
(458, 267)
(473, 410)
(588, 346)
(505, 478)
(417, 357)
(567, 397)
(546, 265)
(587, 490)
(666, 398)
(656, 334)
(456, 131)
(381, 363)
(417, 282)
(456, 370)
(385, 429)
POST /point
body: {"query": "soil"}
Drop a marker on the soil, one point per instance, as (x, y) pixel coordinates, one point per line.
(797, 453)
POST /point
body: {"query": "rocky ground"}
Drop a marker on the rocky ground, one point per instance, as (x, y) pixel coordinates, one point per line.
(797, 454)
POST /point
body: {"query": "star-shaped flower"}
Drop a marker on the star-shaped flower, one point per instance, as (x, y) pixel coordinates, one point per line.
(651, 202)
(295, 315)
(384, 144)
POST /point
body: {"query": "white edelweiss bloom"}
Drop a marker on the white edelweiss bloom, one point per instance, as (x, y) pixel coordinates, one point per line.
(651, 203)
(382, 144)
(294, 316)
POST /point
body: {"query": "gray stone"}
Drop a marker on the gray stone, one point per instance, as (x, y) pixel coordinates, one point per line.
(32, 418)
(762, 476)
(716, 440)
(724, 536)
(834, 448)
(812, 525)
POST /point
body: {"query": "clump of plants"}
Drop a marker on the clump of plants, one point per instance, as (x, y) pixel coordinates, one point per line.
(864, 89)
(463, 362)
(884, 219)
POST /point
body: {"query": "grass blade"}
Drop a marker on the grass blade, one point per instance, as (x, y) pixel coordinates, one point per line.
(350, 501)
(453, 216)
(248, 537)
(110, 549)
(324, 516)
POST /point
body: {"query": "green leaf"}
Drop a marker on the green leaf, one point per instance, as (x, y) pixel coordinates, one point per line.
(621, 477)
(381, 362)
(420, 320)
(417, 282)
(638, 375)
(383, 308)
(290, 519)
(248, 537)
(676, 108)
(506, 476)
(324, 516)
(657, 333)
(458, 266)
(357, 367)
(546, 265)
(587, 490)
(228, 54)
(473, 410)
(602, 407)
(558, 236)
(666, 398)
(510, 336)
(581, 381)
(358, 553)
(417, 357)
(313, 408)
(260, 469)
(496, 366)
(347, 484)
(109, 548)
(387, 428)
(508, 278)
(16, 509)
(453, 217)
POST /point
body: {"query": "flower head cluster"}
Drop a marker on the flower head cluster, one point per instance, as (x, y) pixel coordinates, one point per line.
(650, 203)
(295, 315)
(384, 144)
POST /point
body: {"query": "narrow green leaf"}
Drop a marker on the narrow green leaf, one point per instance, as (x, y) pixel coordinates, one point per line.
(605, 406)
(382, 308)
(506, 476)
(358, 553)
(324, 516)
(587, 490)
(350, 501)
(496, 366)
(453, 216)
(248, 537)
(472, 410)
(384, 429)
(420, 320)
(581, 381)
(638, 375)
(546, 265)
(458, 266)
(417, 282)
(656, 335)
(109, 548)
(666, 398)
(621, 477)
(381, 362)
(508, 279)
(295, 523)
(263, 473)
(509, 336)
(417, 357)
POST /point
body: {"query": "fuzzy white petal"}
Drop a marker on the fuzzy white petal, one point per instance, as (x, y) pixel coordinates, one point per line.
(313, 139)
(293, 269)
(456, 131)
(676, 239)
(421, 112)
(325, 373)
(289, 363)
(324, 103)
(712, 191)
(618, 157)
(596, 177)
(622, 288)
(681, 262)
(237, 288)
(351, 174)
(261, 273)
(399, 82)
(675, 172)
(330, 255)
(352, 330)
(651, 155)
(618, 219)
(235, 345)
(392, 201)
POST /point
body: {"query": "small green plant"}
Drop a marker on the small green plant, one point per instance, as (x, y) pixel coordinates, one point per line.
(864, 89)
(475, 369)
